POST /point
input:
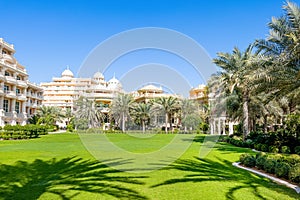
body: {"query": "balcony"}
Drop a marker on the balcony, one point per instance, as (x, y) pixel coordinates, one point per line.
(21, 83)
(11, 80)
(2, 77)
(10, 94)
(21, 115)
(21, 97)
(9, 58)
(8, 114)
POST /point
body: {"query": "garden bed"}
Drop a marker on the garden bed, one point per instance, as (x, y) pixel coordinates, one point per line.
(269, 176)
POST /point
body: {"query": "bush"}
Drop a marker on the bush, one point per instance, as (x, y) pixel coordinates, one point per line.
(248, 160)
(273, 149)
(249, 143)
(292, 159)
(70, 128)
(269, 165)
(260, 161)
(297, 150)
(285, 149)
(242, 157)
(264, 148)
(282, 169)
(257, 146)
(294, 173)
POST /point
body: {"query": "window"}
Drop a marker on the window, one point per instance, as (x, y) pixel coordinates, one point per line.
(6, 88)
(18, 78)
(4, 52)
(17, 91)
(6, 73)
(5, 105)
(17, 107)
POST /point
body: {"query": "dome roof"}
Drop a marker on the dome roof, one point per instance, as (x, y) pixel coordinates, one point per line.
(114, 84)
(67, 73)
(151, 88)
(98, 75)
(113, 81)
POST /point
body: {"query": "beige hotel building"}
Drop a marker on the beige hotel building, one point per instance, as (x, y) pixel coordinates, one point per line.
(19, 98)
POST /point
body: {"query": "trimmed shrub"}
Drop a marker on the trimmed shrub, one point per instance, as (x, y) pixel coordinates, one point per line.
(285, 149)
(292, 159)
(260, 161)
(242, 157)
(264, 148)
(269, 165)
(297, 150)
(294, 173)
(249, 143)
(273, 149)
(282, 169)
(249, 161)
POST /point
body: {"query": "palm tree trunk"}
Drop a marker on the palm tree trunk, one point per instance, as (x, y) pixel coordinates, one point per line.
(123, 122)
(245, 114)
(166, 123)
(143, 124)
(265, 123)
(170, 120)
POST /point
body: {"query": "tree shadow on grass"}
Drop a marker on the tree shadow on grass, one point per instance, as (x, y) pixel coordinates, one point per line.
(205, 170)
(66, 178)
(226, 148)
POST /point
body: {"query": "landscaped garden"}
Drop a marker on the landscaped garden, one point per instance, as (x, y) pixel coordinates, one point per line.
(58, 166)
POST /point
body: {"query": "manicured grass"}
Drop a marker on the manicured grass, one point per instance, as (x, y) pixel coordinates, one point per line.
(58, 166)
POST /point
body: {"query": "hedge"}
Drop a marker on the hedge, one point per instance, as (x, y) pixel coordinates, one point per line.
(283, 166)
(10, 132)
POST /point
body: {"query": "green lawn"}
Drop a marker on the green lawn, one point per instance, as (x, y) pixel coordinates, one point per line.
(59, 166)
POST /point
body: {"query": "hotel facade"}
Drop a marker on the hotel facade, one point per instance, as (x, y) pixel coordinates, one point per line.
(19, 98)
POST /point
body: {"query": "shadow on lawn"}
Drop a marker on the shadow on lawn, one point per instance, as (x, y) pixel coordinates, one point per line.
(201, 170)
(66, 178)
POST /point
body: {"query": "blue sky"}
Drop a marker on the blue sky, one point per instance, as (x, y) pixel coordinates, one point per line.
(49, 35)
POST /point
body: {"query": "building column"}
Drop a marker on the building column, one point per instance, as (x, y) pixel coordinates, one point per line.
(1, 102)
(219, 126)
(230, 127)
(12, 110)
(1, 112)
(224, 125)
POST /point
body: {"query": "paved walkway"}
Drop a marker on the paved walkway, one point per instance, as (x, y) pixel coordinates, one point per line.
(59, 131)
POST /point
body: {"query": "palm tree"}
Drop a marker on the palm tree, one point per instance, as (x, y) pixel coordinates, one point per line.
(170, 105)
(49, 115)
(281, 77)
(68, 114)
(88, 110)
(188, 109)
(120, 108)
(142, 112)
(237, 77)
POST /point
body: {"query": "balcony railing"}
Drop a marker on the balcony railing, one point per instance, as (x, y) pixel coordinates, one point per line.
(9, 114)
(10, 93)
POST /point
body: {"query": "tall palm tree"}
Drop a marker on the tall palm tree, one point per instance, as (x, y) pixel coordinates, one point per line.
(142, 112)
(281, 77)
(237, 77)
(188, 108)
(170, 105)
(120, 108)
(88, 110)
